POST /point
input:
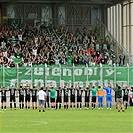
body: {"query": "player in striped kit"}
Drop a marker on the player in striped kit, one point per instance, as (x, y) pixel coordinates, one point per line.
(59, 98)
(72, 97)
(12, 97)
(34, 97)
(87, 97)
(47, 98)
(3, 98)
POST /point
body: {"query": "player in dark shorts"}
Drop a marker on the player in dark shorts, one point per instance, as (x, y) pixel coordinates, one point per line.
(27, 97)
(115, 95)
(65, 91)
(72, 97)
(79, 98)
(59, 98)
(131, 96)
(52, 97)
(87, 97)
(94, 93)
(34, 97)
(12, 97)
(21, 97)
(47, 98)
(3, 98)
(125, 96)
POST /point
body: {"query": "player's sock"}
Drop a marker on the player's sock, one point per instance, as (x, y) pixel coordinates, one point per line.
(2, 107)
(85, 105)
(110, 105)
(107, 104)
(39, 110)
(20, 106)
(67, 106)
(56, 105)
(59, 106)
(70, 106)
(94, 106)
(77, 105)
(88, 105)
(11, 105)
(15, 105)
(48, 105)
(99, 105)
(28, 107)
(52, 107)
(64, 106)
(45, 105)
(36, 107)
(80, 105)
(74, 106)
(126, 106)
(43, 110)
(33, 108)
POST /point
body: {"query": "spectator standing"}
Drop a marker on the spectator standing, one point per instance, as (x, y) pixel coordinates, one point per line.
(121, 60)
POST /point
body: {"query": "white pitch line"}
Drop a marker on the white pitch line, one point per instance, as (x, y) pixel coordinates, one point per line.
(45, 123)
(28, 125)
(28, 121)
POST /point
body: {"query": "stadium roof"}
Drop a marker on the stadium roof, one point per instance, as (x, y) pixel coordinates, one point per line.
(90, 2)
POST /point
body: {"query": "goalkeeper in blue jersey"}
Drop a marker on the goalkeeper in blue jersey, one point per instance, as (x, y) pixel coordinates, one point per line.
(108, 96)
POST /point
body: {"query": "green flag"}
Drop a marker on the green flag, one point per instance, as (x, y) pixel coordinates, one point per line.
(16, 60)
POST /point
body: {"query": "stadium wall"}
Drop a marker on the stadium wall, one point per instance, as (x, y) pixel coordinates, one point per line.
(72, 16)
(0, 15)
(120, 25)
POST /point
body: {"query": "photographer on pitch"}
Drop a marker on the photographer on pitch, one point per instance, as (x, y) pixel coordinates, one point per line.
(119, 100)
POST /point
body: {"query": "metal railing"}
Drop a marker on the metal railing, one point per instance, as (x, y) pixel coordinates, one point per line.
(119, 49)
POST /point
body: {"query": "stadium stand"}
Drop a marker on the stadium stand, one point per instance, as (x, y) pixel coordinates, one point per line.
(54, 46)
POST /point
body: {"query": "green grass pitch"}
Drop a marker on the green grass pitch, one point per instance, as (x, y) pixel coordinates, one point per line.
(66, 121)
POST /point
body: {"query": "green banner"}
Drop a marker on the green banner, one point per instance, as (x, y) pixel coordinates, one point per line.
(55, 75)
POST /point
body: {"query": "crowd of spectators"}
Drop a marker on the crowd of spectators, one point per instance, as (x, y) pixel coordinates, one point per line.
(46, 44)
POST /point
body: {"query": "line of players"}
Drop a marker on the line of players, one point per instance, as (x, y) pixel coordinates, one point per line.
(55, 99)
